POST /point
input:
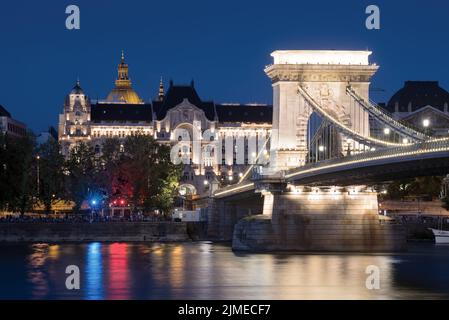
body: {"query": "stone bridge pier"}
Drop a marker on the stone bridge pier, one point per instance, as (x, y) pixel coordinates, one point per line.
(223, 214)
(318, 219)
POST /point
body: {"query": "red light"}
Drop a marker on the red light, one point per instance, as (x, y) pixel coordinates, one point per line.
(122, 201)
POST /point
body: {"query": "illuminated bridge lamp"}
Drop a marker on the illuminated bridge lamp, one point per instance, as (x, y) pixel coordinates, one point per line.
(404, 141)
(321, 148)
(426, 123)
(387, 131)
(206, 182)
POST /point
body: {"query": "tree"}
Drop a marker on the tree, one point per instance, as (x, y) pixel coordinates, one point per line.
(17, 173)
(429, 187)
(152, 176)
(51, 166)
(82, 169)
(426, 186)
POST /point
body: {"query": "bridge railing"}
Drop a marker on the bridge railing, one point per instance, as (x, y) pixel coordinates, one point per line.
(426, 146)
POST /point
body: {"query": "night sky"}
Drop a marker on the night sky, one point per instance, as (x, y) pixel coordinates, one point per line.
(222, 45)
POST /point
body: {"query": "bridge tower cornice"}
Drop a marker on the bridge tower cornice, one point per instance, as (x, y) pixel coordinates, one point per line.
(320, 73)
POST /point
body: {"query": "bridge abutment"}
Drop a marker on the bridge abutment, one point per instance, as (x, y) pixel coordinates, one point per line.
(224, 214)
(319, 220)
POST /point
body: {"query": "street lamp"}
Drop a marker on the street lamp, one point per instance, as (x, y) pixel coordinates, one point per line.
(37, 175)
(426, 123)
(321, 148)
(386, 131)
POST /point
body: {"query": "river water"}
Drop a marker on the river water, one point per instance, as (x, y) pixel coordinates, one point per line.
(205, 270)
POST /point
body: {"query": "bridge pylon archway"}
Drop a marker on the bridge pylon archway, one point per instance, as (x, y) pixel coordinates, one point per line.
(325, 75)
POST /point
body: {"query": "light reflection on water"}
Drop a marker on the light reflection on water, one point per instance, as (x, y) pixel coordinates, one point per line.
(118, 285)
(212, 271)
(94, 272)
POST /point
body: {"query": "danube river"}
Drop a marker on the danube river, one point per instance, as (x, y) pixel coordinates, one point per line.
(205, 270)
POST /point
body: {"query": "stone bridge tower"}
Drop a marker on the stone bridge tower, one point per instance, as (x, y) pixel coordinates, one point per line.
(325, 75)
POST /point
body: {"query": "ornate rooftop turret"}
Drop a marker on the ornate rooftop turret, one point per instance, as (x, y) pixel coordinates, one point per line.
(123, 91)
(161, 94)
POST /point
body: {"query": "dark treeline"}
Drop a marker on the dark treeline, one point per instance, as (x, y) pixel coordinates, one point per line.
(427, 188)
(137, 169)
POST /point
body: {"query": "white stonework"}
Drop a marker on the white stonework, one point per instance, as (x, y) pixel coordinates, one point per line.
(325, 75)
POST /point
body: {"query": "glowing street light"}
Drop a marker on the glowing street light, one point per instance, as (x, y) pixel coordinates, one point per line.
(37, 175)
(426, 123)
(206, 182)
(386, 131)
(321, 148)
(404, 141)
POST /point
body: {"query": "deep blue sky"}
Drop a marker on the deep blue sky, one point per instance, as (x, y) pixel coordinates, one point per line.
(223, 45)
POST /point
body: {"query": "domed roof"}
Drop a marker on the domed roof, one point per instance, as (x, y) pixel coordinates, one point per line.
(123, 91)
(419, 94)
(123, 95)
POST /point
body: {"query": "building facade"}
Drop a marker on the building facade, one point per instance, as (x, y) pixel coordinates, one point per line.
(216, 142)
(10, 126)
(423, 104)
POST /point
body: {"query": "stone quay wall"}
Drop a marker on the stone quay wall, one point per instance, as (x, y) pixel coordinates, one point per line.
(83, 232)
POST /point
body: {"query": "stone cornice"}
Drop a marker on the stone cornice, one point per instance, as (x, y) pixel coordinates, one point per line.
(320, 73)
